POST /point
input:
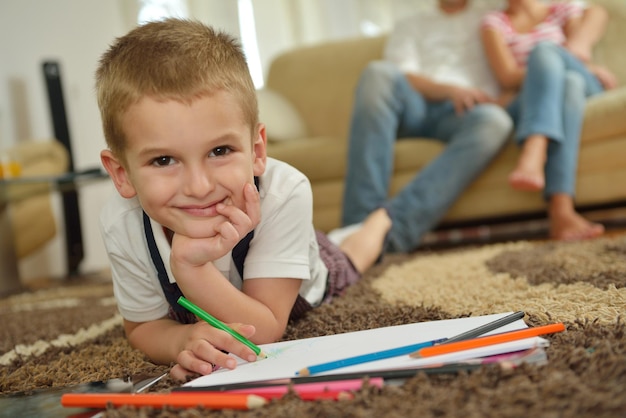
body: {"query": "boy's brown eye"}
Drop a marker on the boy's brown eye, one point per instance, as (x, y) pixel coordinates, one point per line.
(162, 161)
(220, 151)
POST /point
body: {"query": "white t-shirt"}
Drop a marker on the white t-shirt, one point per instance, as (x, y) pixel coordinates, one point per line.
(444, 47)
(280, 247)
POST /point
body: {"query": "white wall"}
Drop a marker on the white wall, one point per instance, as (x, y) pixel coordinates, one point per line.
(77, 32)
(74, 32)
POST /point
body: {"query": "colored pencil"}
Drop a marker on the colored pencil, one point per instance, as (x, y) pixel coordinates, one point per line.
(489, 340)
(211, 400)
(386, 375)
(314, 387)
(483, 329)
(365, 358)
(200, 313)
(335, 395)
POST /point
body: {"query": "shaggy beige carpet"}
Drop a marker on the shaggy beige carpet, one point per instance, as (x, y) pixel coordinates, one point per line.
(72, 334)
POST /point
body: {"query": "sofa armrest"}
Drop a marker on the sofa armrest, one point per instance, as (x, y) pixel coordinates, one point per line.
(605, 115)
(41, 158)
(33, 217)
(320, 80)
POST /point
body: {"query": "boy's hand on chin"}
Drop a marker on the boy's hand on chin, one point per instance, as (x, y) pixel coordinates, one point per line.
(224, 236)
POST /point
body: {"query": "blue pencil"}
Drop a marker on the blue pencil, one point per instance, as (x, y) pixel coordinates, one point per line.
(365, 358)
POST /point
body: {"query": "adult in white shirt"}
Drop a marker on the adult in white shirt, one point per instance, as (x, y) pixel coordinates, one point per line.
(434, 82)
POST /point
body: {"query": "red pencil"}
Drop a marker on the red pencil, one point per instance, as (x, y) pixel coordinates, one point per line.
(505, 337)
(211, 400)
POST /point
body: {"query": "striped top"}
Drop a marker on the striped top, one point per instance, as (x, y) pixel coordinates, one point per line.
(551, 29)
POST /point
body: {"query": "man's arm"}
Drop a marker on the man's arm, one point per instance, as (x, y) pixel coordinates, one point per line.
(464, 98)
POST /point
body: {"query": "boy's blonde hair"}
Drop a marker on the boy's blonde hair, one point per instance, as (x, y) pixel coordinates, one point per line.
(173, 59)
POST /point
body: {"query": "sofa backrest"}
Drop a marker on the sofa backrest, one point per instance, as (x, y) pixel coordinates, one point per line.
(320, 80)
(611, 49)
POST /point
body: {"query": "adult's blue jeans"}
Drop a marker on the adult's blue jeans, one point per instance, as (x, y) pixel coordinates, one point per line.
(387, 108)
(552, 103)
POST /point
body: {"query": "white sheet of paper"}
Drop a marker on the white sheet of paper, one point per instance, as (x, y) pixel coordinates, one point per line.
(286, 358)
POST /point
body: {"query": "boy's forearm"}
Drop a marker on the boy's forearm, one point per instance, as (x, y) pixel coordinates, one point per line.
(160, 340)
(209, 289)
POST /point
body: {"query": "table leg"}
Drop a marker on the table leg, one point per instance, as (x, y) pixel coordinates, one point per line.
(9, 274)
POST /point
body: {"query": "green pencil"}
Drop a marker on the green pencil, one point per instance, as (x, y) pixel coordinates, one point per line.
(214, 322)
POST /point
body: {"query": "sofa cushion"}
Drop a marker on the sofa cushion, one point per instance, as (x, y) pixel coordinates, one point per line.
(324, 158)
(282, 120)
(609, 50)
(319, 158)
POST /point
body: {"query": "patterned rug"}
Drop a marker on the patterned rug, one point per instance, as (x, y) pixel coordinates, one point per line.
(71, 334)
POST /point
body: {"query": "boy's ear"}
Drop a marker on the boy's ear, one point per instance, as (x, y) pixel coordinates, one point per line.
(259, 151)
(118, 174)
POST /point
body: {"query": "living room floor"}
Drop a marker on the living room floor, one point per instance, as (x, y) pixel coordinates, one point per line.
(613, 219)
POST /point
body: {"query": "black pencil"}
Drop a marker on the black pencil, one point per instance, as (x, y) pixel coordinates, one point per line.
(483, 329)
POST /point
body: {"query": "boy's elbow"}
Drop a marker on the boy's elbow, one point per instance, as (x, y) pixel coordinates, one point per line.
(270, 334)
(274, 336)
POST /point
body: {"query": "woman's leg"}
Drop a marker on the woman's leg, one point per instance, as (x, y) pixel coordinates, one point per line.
(539, 117)
(561, 167)
(540, 110)
(528, 174)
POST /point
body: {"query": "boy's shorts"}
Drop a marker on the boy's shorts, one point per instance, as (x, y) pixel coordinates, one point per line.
(341, 274)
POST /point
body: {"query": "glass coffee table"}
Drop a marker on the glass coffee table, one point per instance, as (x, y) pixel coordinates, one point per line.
(18, 188)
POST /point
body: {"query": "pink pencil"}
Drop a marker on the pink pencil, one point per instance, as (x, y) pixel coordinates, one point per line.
(316, 387)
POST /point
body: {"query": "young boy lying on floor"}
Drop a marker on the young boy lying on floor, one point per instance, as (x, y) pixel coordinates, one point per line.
(201, 211)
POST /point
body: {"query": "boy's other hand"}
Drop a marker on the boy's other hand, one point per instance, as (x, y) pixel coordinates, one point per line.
(200, 354)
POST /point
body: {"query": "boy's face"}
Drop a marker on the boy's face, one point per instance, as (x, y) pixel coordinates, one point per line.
(184, 159)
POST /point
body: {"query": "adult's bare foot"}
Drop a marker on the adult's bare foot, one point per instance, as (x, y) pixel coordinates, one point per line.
(528, 175)
(528, 180)
(573, 227)
(568, 225)
(364, 246)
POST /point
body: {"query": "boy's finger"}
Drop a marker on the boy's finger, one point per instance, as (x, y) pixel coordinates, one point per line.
(253, 203)
(178, 372)
(191, 362)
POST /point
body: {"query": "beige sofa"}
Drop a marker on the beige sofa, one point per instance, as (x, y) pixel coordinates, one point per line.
(307, 106)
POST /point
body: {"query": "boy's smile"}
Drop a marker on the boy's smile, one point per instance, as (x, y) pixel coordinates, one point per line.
(184, 159)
